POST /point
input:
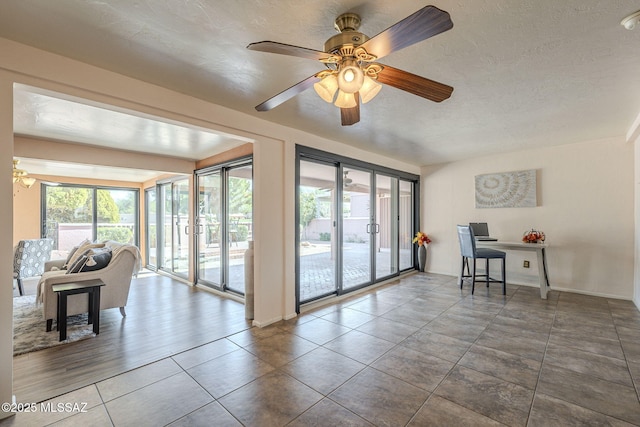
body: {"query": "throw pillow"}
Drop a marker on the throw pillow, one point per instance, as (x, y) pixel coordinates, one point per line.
(72, 252)
(92, 260)
(82, 249)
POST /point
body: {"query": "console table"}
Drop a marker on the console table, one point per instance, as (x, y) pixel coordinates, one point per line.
(92, 289)
(541, 252)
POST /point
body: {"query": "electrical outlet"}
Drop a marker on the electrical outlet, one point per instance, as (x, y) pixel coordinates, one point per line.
(526, 264)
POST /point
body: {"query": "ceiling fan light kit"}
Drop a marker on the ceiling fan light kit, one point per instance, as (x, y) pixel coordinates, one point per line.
(21, 177)
(350, 68)
(631, 21)
(369, 89)
(350, 77)
(345, 100)
(327, 87)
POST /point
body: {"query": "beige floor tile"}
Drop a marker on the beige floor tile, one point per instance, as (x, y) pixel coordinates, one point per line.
(506, 366)
(442, 346)
(603, 367)
(593, 393)
(492, 397)
(229, 372)
(159, 403)
(320, 331)
(280, 349)
(48, 412)
(136, 379)
(550, 412)
(272, 400)
(417, 368)
(380, 398)
(441, 412)
(211, 414)
(388, 330)
(349, 317)
(204, 353)
(327, 413)
(323, 370)
(360, 346)
(94, 417)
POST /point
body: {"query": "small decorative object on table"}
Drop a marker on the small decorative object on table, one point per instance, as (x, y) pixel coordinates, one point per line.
(422, 240)
(533, 236)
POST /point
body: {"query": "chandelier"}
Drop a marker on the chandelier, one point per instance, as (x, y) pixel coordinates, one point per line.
(21, 176)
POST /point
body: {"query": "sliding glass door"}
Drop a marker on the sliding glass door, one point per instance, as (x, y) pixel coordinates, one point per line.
(173, 226)
(224, 224)
(210, 228)
(239, 223)
(355, 223)
(317, 251)
(406, 208)
(385, 226)
(358, 228)
(151, 222)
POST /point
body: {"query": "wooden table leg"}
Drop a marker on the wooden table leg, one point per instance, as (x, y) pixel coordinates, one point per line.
(62, 315)
(96, 310)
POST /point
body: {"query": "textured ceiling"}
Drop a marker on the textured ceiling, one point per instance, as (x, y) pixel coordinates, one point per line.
(526, 73)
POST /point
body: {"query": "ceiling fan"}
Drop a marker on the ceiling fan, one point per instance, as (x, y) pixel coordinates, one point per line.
(351, 70)
(21, 176)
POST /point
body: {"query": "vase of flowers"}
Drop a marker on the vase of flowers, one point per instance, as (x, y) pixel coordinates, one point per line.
(423, 241)
(533, 236)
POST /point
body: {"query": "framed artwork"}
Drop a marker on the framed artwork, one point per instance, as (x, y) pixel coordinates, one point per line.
(506, 190)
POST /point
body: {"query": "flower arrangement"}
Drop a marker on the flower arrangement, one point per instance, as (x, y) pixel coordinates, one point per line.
(533, 236)
(421, 239)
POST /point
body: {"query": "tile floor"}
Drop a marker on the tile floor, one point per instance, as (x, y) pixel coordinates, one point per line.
(418, 352)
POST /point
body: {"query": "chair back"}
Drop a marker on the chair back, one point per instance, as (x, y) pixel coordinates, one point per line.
(30, 256)
(467, 241)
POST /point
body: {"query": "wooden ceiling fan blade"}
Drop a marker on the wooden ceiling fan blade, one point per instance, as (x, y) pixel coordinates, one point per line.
(290, 50)
(287, 94)
(427, 22)
(414, 84)
(351, 116)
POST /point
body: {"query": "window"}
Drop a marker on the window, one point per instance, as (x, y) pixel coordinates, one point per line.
(72, 213)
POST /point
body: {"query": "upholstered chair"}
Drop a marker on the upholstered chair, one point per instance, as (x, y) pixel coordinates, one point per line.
(29, 258)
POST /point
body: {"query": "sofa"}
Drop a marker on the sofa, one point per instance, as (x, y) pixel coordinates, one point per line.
(124, 262)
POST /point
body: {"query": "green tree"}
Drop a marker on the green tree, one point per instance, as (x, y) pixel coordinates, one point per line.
(107, 208)
(126, 205)
(308, 209)
(75, 204)
(69, 204)
(240, 196)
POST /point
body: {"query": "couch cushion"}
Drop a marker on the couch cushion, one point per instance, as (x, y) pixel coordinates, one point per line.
(92, 260)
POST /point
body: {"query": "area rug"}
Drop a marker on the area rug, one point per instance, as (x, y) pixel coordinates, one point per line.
(29, 327)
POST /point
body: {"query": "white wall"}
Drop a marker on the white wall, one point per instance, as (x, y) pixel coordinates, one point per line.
(585, 207)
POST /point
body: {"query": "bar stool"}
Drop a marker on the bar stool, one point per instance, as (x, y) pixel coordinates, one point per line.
(468, 251)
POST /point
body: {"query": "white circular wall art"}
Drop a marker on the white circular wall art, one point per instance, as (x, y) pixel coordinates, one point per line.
(506, 190)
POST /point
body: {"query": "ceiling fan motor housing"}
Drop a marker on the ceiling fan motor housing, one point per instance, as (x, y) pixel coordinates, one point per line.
(347, 40)
(348, 36)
